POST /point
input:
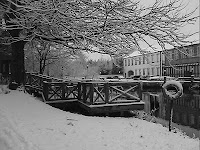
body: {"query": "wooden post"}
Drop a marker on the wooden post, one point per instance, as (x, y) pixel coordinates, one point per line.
(79, 90)
(140, 84)
(106, 90)
(45, 90)
(91, 93)
(84, 92)
(171, 115)
(63, 90)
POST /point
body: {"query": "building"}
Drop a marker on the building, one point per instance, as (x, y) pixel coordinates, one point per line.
(182, 61)
(143, 64)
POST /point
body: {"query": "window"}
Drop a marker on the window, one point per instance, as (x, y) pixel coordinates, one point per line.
(148, 72)
(143, 59)
(135, 61)
(135, 71)
(140, 72)
(132, 62)
(195, 51)
(157, 57)
(198, 51)
(125, 62)
(191, 51)
(152, 69)
(158, 71)
(128, 62)
(139, 60)
(152, 58)
(147, 60)
(143, 72)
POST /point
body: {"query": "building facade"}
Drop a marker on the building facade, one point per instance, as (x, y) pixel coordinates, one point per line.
(183, 61)
(143, 64)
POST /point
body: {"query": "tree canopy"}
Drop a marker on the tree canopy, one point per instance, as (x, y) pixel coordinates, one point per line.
(114, 27)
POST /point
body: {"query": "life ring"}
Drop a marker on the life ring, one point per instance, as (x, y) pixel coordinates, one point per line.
(172, 84)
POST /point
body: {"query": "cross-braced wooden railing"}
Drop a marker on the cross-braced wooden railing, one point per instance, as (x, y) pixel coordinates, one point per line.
(35, 81)
(54, 91)
(94, 93)
(87, 92)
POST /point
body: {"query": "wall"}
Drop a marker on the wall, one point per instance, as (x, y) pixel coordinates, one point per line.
(149, 64)
(179, 64)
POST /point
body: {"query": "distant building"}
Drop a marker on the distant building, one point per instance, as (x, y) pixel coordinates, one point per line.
(183, 61)
(143, 64)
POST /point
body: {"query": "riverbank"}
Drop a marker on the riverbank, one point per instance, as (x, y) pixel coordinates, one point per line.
(27, 123)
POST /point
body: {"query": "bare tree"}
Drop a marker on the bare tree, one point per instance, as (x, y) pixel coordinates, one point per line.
(104, 26)
(45, 53)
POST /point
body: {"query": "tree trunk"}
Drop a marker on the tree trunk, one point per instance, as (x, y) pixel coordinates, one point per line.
(17, 64)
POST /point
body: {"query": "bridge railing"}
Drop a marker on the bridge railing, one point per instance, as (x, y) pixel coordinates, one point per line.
(55, 91)
(35, 81)
(94, 93)
(88, 92)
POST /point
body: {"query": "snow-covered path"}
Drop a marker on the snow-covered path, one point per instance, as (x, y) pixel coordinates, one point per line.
(29, 124)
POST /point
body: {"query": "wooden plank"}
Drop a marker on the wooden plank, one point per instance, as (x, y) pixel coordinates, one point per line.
(91, 93)
(106, 90)
(117, 104)
(61, 101)
(107, 108)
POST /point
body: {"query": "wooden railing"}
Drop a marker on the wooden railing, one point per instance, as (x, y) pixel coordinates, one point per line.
(94, 93)
(87, 92)
(55, 91)
(35, 81)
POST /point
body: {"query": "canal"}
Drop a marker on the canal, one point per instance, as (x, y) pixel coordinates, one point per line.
(186, 110)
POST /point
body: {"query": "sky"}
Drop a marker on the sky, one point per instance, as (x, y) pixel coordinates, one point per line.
(190, 5)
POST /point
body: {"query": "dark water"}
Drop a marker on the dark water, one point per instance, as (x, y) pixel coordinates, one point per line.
(186, 110)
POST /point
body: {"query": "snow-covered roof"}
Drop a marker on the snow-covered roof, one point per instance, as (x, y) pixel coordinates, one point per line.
(137, 53)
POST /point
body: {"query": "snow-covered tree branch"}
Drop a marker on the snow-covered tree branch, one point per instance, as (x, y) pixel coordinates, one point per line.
(105, 26)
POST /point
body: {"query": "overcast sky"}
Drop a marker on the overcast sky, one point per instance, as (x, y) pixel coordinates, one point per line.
(190, 5)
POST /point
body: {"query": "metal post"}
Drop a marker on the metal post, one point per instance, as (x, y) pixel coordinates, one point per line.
(161, 63)
(171, 115)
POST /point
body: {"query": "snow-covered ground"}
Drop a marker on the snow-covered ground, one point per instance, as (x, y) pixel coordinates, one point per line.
(28, 124)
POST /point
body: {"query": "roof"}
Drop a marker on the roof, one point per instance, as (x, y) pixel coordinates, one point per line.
(137, 53)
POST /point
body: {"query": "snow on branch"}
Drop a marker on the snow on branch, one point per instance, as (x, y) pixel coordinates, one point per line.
(105, 26)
